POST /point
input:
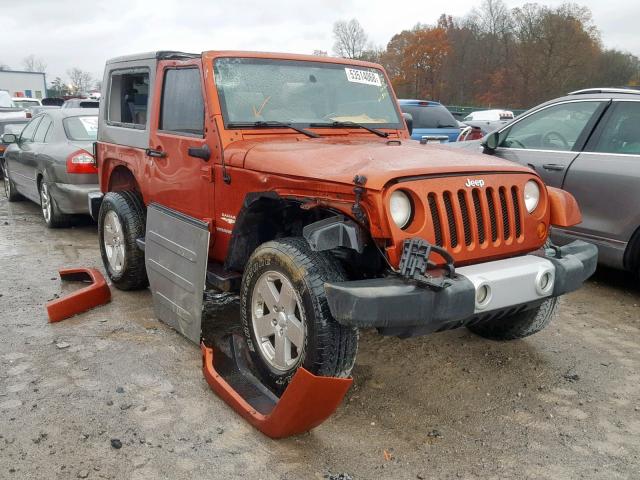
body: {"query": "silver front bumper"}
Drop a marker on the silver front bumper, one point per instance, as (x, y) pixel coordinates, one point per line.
(512, 281)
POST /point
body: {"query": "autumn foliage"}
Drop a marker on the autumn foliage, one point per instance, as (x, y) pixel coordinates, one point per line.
(496, 56)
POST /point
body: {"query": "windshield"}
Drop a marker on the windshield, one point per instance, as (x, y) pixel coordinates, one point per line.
(432, 116)
(302, 92)
(26, 103)
(81, 128)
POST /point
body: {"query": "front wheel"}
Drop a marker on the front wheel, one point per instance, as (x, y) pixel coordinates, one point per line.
(518, 325)
(285, 315)
(121, 222)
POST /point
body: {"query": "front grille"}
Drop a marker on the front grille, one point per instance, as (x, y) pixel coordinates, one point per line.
(464, 219)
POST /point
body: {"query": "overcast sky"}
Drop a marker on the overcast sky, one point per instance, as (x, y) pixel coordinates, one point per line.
(73, 33)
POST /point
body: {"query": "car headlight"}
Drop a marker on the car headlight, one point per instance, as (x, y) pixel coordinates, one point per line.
(401, 208)
(531, 195)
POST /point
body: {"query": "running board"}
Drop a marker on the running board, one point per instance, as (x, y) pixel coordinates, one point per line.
(307, 401)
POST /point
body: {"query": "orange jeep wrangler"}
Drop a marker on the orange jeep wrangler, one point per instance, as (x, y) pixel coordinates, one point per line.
(291, 182)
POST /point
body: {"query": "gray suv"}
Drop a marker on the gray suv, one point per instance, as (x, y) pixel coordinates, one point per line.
(587, 143)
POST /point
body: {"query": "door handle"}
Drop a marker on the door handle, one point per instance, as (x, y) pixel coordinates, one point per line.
(553, 167)
(200, 152)
(150, 152)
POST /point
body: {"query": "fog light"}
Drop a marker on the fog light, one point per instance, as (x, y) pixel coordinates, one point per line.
(541, 230)
(483, 295)
(544, 282)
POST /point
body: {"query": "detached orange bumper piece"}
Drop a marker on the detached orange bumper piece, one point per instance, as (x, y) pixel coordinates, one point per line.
(91, 296)
(307, 402)
(564, 208)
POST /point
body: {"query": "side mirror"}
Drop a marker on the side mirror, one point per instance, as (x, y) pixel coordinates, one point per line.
(491, 141)
(408, 118)
(8, 138)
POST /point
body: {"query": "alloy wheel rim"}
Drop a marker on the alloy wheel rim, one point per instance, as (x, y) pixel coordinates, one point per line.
(113, 241)
(45, 202)
(278, 321)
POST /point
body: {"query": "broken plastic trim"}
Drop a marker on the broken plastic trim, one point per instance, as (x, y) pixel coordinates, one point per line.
(307, 402)
(86, 298)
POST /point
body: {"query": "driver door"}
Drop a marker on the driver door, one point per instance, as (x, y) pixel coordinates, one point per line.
(549, 140)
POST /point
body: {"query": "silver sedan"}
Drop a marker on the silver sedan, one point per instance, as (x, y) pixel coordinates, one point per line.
(51, 163)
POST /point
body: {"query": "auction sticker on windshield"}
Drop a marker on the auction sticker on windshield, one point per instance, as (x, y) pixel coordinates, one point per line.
(363, 76)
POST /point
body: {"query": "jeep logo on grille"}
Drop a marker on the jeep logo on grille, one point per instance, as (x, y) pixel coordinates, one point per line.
(474, 183)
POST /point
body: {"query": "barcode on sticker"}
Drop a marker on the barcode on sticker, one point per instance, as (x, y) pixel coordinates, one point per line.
(363, 76)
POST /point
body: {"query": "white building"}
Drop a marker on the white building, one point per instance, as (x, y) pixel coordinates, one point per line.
(24, 84)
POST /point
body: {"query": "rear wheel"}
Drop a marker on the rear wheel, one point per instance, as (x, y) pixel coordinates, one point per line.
(121, 221)
(519, 325)
(9, 187)
(285, 315)
(52, 216)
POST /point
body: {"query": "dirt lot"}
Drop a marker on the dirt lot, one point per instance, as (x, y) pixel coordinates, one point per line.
(562, 404)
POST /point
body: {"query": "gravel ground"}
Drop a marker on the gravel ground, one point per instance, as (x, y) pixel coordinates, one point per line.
(116, 394)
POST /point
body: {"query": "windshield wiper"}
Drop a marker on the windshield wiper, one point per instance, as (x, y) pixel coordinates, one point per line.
(350, 124)
(272, 124)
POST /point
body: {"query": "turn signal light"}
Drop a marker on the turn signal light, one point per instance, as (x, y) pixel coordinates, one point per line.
(81, 162)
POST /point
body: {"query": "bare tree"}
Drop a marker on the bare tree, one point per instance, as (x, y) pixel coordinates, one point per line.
(4, 67)
(81, 81)
(350, 39)
(32, 63)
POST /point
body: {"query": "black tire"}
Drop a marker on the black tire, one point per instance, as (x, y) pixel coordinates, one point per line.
(131, 213)
(50, 212)
(9, 187)
(329, 348)
(519, 325)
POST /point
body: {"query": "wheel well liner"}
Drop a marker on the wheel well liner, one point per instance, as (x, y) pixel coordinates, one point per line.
(265, 216)
(122, 179)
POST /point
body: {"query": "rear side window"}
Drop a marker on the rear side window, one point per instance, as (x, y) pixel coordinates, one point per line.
(621, 133)
(128, 98)
(433, 116)
(43, 129)
(182, 103)
(83, 129)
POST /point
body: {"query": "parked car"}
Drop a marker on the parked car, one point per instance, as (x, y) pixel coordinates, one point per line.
(36, 110)
(50, 162)
(14, 126)
(26, 102)
(8, 109)
(432, 122)
(53, 101)
(489, 116)
(587, 143)
(290, 181)
(81, 103)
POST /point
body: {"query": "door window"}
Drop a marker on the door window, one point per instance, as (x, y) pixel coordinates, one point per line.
(182, 104)
(554, 128)
(27, 134)
(621, 133)
(43, 129)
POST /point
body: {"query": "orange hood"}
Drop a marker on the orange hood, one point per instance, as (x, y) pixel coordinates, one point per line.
(339, 160)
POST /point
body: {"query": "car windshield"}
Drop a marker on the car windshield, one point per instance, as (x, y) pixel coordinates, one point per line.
(303, 92)
(83, 128)
(25, 103)
(432, 116)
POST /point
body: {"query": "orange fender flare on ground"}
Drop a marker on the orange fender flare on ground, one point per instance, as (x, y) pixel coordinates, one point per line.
(307, 401)
(86, 298)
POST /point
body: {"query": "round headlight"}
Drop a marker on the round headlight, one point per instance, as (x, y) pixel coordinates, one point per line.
(400, 207)
(531, 195)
